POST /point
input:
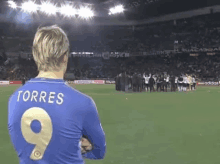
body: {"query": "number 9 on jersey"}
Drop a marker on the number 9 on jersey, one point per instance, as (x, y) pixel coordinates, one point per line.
(41, 139)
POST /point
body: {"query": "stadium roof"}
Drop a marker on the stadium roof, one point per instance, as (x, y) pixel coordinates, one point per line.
(134, 9)
(142, 9)
(162, 7)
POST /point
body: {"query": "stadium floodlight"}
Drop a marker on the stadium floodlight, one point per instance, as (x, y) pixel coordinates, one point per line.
(116, 10)
(85, 12)
(68, 11)
(119, 8)
(112, 11)
(29, 7)
(12, 4)
(48, 8)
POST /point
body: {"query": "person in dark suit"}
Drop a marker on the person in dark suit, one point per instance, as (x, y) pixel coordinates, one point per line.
(151, 83)
(140, 83)
(117, 83)
(134, 82)
(120, 81)
(162, 83)
(23, 80)
(126, 82)
(123, 82)
(143, 82)
(158, 83)
(173, 86)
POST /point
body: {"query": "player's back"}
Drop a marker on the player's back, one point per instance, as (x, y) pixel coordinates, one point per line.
(146, 79)
(46, 122)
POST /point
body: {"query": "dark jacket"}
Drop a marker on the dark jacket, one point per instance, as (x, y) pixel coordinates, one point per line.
(172, 80)
(151, 81)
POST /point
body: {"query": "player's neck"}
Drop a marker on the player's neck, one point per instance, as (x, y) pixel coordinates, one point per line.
(51, 75)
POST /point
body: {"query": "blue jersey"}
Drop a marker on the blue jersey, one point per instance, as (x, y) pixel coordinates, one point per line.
(46, 120)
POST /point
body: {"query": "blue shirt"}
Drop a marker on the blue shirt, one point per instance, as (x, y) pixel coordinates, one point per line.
(46, 120)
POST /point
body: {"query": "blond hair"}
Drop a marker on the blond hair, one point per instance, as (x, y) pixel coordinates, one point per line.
(49, 48)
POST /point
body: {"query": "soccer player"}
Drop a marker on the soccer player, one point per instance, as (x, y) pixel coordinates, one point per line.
(180, 83)
(185, 81)
(176, 83)
(194, 83)
(167, 81)
(47, 117)
(155, 79)
(189, 78)
(146, 77)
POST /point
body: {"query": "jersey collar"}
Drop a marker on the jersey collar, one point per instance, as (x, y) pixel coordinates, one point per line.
(40, 79)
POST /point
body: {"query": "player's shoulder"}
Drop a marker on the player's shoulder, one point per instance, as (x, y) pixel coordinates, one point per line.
(75, 92)
(15, 93)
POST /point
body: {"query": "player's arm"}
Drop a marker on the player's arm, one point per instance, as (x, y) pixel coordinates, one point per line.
(92, 128)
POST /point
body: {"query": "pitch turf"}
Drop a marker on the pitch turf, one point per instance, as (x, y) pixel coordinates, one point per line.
(156, 128)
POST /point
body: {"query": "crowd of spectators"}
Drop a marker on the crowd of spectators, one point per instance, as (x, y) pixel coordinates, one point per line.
(196, 32)
(17, 69)
(199, 32)
(203, 66)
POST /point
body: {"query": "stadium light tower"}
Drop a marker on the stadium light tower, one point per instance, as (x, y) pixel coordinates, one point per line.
(12, 4)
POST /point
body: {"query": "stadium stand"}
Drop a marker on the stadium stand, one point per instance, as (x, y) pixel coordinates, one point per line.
(191, 33)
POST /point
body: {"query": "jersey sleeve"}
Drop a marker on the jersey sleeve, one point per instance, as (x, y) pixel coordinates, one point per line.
(92, 128)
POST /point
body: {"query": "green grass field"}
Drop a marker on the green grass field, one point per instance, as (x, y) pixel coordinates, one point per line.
(146, 128)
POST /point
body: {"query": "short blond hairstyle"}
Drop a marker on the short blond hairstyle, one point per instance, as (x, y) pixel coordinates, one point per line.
(49, 48)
